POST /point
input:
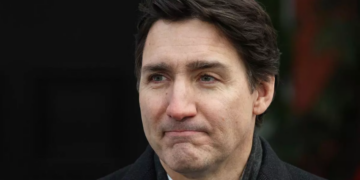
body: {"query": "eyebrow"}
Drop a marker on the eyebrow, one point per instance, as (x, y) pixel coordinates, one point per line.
(160, 67)
(200, 65)
(193, 66)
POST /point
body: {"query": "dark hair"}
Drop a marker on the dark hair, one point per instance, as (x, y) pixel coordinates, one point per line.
(246, 25)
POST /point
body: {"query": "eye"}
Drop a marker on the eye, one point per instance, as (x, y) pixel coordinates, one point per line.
(157, 78)
(207, 78)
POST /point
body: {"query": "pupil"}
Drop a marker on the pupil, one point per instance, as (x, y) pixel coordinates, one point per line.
(157, 78)
(207, 78)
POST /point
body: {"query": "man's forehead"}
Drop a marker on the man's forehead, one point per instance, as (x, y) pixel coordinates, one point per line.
(187, 45)
(183, 33)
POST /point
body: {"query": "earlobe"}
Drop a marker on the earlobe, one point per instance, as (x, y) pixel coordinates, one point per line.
(265, 94)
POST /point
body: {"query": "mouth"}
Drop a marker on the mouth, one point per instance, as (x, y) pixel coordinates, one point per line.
(181, 133)
(182, 136)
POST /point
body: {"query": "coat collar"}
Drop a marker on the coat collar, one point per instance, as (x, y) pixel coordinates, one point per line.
(272, 167)
(143, 168)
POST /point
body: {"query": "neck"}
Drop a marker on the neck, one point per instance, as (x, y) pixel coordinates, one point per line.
(230, 168)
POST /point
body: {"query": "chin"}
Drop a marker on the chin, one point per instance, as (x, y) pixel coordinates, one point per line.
(185, 158)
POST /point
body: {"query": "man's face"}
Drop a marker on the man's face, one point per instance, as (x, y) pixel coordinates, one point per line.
(195, 100)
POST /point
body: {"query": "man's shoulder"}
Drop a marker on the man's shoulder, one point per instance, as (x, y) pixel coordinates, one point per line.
(117, 174)
(271, 168)
(299, 174)
(274, 168)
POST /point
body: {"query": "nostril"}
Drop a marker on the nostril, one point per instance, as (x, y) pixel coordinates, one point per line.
(180, 112)
(180, 104)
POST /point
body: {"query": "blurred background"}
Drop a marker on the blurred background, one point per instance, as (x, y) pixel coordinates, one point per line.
(69, 105)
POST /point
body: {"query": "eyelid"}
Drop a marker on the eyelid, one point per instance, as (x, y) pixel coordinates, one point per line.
(152, 75)
(209, 75)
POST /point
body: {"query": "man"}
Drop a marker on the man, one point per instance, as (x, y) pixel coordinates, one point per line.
(206, 73)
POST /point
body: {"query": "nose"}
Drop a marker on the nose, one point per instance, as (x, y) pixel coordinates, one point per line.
(181, 103)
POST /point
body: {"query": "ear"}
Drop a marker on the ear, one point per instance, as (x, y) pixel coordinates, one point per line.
(264, 95)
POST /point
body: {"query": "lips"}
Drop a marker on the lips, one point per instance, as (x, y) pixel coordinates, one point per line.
(182, 129)
(182, 136)
(182, 133)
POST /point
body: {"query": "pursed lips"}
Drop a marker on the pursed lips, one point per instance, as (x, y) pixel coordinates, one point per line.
(182, 136)
(181, 132)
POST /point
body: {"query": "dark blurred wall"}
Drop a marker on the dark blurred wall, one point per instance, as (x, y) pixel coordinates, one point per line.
(69, 101)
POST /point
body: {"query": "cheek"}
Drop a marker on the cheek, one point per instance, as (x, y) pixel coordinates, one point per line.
(151, 107)
(228, 112)
(240, 111)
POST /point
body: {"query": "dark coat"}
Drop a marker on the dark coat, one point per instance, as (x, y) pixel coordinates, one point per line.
(272, 168)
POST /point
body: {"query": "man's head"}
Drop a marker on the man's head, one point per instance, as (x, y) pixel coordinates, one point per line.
(246, 25)
(206, 69)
